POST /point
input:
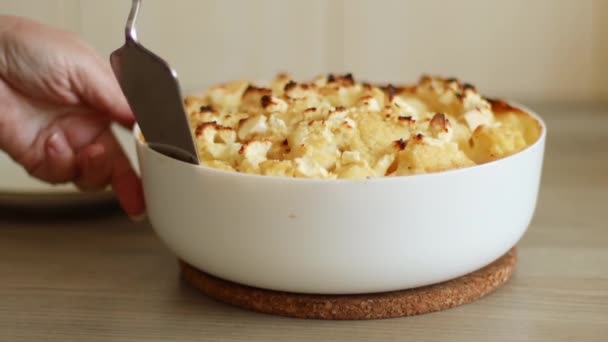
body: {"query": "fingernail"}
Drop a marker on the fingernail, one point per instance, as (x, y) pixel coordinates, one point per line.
(139, 218)
(54, 144)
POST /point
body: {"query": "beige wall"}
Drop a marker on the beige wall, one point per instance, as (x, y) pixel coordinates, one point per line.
(60, 13)
(529, 50)
(600, 25)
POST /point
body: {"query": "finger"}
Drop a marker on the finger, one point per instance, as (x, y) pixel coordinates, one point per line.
(128, 188)
(125, 182)
(51, 154)
(95, 169)
(58, 165)
(57, 66)
(96, 84)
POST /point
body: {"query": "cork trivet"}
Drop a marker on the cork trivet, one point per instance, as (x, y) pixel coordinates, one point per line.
(361, 306)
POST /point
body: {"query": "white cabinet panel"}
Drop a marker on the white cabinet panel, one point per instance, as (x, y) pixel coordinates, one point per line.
(539, 50)
(519, 48)
(211, 41)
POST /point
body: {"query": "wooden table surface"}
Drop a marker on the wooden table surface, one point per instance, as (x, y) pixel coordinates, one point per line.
(98, 277)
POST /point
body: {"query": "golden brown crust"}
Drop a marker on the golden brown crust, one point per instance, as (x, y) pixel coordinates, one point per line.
(439, 122)
(400, 144)
(200, 128)
(501, 107)
(336, 127)
(345, 80)
(290, 85)
(206, 109)
(251, 89)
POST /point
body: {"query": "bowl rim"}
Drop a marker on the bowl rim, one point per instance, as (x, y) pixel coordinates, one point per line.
(541, 140)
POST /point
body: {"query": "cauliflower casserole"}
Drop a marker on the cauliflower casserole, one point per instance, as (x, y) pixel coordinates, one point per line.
(336, 127)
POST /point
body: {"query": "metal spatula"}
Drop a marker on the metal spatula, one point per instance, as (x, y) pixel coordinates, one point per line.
(153, 92)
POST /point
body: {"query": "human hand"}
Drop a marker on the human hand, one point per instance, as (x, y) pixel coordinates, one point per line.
(57, 100)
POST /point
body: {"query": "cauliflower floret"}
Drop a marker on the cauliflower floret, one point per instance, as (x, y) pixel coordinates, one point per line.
(253, 125)
(350, 157)
(441, 128)
(403, 108)
(224, 152)
(283, 168)
(252, 154)
(273, 104)
(426, 155)
(217, 142)
(491, 143)
(369, 103)
(226, 97)
(384, 164)
(378, 133)
(474, 101)
(315, 141)
(337, 116)
(476, 117)
(521, 122)
(309, 168)
(278, 84)
(277, 127)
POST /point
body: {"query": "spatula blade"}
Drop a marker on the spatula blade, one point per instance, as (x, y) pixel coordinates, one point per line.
(153, 92)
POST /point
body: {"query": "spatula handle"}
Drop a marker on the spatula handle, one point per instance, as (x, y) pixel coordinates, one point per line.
(130, 29)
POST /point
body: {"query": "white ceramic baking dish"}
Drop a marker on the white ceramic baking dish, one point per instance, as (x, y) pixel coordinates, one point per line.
(341, 236)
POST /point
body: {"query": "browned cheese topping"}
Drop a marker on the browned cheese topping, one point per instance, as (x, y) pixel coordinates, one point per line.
(335, 127)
